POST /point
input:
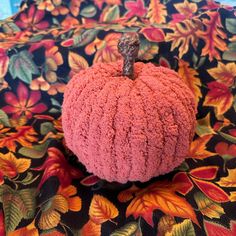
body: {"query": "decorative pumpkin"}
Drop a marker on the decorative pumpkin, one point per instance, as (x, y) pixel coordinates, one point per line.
(128, 125)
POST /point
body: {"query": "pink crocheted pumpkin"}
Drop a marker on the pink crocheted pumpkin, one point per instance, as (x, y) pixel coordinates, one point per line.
(128, 125)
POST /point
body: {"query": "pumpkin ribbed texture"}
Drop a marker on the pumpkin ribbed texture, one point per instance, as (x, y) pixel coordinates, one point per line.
(123, 129)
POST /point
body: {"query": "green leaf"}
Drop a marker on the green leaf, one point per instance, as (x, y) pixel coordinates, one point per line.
(85, 37)
(230, 55)
(147, 50)
(36, 38)
(112, 13)
(89, 11)
(228, 137)
(29, 179)
(204, 126)
(10, 28)
(127, 230)
(208, 207)
(46, 127)
(35, 152)
(54, 110)
(183, 167)
(22, 66)
(184, 228)
(230, 24)
(17, 204)
(55, 102)
(4, 118)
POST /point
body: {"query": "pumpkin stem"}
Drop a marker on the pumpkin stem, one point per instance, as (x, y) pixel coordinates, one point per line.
(128, 47)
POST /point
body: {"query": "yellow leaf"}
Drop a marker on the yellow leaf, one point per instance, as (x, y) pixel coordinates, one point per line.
(224, 73)
(186, 8)
(204, 126)
(50, 216)
(190, 77)
(208, 207)
(129, 229)
(165, 224)
(101, 209)
(162, 196)
(157, 12)
(91, 229)
(232, 196)
(198, 148)
(183, 228)
(230, 180)
(184, 34)
(77, 62)
(147, 50)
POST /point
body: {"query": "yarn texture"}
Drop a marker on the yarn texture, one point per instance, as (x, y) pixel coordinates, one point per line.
(128, 130)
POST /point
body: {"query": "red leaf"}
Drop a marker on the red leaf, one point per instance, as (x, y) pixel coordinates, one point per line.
(211, 190)
(43, 117)
(205, 172)
(163, 62)
(223, 148)
(135, 8)
(183, 183)
(214, 229)
(219, 96)
(2, 228)
(232, 132)
(153, 34)
(67, 43)
(89, 180)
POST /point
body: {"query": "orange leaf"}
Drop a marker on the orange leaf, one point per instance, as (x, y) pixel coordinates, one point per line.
(219, 96)
(127, 194)
(184, 34)
(101, 209)
(224, 73)
(162, 196)
(186, 8)
(153, 34)
(157, 12)
(91, 229)
(76, 62)
(211, 190)
(75, 7)
(190, 77)
(106, 50)
(25, 135)
(198, 148)
(213, 36)
(29, 230)
(205, 172)
(4, 62)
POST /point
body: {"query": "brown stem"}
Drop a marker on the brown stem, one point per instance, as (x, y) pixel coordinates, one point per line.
(128, 47)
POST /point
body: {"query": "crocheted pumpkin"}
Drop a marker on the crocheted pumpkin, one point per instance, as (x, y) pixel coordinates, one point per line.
(128, 125)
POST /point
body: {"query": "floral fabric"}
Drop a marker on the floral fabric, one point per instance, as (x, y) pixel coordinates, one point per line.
(44, 190)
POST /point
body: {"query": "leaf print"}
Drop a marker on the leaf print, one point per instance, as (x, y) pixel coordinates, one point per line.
(23, 66)
(230, 180)
(183, 228)
(224, 73)
(214, 229)
(99, 3)
(57, 165)
(17, 204)
(24, 135)
(204, 126)
(90, 180)
(126, 230)
(153, 34)
(11, 166)
(183, 184)
(89, 11)
(205, 172)
(211, 190)
(208, 207)
(226, 150)
(135, 8)
(76, 63)
(102, 210)
(127, 194)
(90, 229)
(162, 196)
(29, 230)
(147, 50)
(157, 12)
(213, 36)
(232, 196)
(4, 120)
(198, 149)
(110, 14)
(190, 77)
(106, 50)
(4, 62)
(230, 54)
(184, 35)
(219, 96)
